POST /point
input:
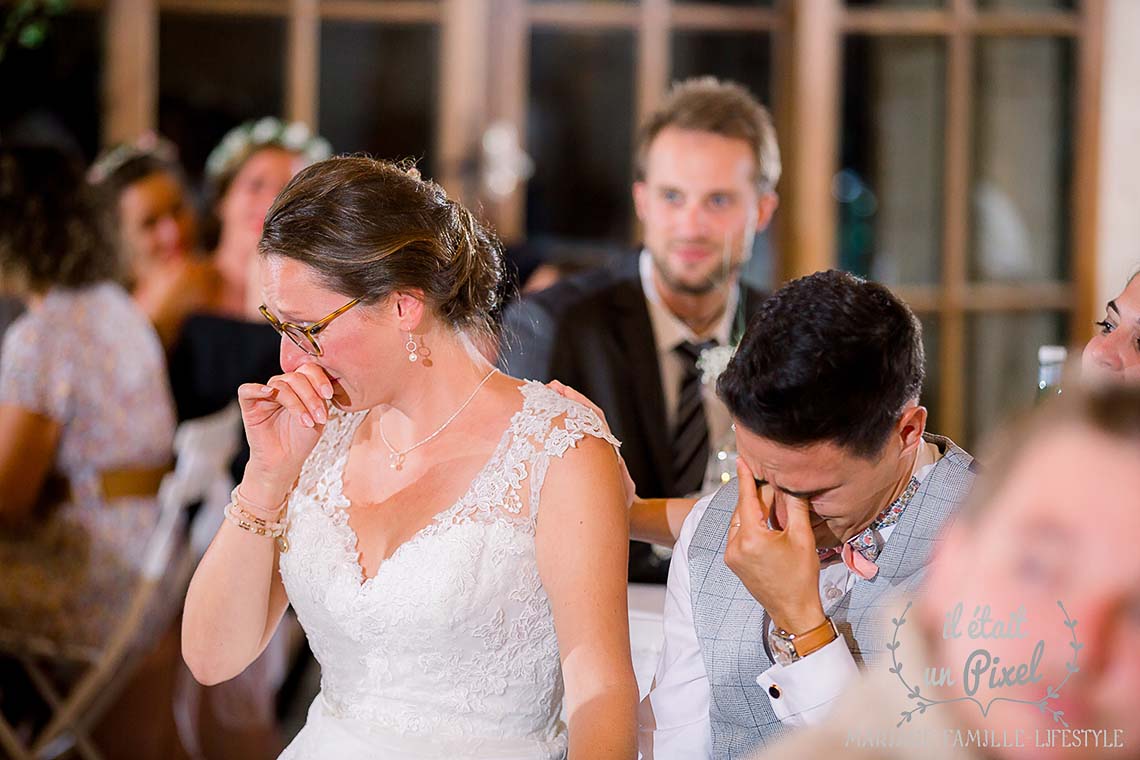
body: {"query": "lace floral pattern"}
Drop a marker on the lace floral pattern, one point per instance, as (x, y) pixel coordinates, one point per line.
(453, 636)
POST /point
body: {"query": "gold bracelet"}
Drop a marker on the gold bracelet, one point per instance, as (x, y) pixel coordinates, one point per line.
(241, 512)
(256, 510)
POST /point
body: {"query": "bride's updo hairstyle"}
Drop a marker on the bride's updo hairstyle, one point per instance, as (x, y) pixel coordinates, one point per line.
(371, 228)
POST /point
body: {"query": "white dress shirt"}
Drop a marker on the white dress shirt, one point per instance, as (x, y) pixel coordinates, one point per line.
(674, 717)
(668, 333)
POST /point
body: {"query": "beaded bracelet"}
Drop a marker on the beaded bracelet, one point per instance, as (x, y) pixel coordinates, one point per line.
(239, 515)
(256, 510)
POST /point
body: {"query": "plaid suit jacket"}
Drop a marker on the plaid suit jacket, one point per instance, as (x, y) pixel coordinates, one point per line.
(731, 626)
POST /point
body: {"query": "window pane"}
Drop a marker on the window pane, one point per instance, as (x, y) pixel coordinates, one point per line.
(378, 90)
(580, 133)
(746, 58)
(889, 187)
(51, 92)
(1001, 366)
(1022, 161)
(202, 96)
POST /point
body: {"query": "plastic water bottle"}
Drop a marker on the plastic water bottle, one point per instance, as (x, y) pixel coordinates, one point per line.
(1051, 366)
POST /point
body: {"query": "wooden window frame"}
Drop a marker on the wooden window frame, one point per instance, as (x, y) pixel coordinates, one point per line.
(807, 42)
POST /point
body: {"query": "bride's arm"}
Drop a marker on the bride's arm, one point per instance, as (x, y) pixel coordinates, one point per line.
(582, 543)
(235, 600)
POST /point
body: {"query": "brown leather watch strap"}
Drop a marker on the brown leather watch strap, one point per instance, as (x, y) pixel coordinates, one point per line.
(815, 639)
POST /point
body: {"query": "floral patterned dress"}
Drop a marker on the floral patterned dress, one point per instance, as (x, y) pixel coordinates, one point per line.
(90, 361)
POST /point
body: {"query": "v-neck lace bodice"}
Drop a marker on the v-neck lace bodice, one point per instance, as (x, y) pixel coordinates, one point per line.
(452, 639)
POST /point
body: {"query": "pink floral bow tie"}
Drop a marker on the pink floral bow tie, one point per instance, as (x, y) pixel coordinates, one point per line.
(860, 552)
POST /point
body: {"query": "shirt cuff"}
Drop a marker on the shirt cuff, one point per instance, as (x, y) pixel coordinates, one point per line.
(801, 693)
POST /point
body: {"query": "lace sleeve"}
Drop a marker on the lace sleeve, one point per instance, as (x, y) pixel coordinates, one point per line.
(570, 422)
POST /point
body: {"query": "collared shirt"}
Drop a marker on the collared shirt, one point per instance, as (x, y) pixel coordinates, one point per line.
(674, 716)
(668, 333)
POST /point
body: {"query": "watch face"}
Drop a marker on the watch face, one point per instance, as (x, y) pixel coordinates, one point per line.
(782, 649)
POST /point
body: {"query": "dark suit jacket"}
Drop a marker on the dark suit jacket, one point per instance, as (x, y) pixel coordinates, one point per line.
(592, 332)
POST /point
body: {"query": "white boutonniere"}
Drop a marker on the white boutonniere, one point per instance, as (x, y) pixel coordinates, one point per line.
(712, 361)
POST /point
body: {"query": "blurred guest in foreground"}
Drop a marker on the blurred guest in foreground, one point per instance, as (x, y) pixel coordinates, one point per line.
(86, 419)
(1113, 354)
(707, 168)
(1033, 601)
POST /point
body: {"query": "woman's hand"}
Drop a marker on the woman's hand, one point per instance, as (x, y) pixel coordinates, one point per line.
(283, 420)
(173, 290)
(567, 392)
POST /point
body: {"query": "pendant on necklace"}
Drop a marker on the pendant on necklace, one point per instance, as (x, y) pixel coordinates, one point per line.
(396, 461)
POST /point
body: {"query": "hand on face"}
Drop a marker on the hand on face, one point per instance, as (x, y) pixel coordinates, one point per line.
(284, 419)
(178, 287)
(780, 567)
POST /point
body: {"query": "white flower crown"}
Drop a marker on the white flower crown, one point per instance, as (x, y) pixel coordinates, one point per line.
(240, 141)
(114, 158)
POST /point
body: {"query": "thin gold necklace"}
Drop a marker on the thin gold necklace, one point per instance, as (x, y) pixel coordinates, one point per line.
(396, 458)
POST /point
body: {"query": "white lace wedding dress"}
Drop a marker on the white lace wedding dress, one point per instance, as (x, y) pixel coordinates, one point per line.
(450, 650)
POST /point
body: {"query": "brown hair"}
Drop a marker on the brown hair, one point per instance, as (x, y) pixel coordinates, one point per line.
(107, 191)
(707, 104)
(1113, 410)
(370, 228)
(48, 234)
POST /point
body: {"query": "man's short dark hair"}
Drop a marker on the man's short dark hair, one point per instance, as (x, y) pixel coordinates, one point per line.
(827, 358)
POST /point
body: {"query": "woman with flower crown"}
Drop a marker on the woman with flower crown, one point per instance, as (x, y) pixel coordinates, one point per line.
(244, 173)
(148, 216)
(228, 343)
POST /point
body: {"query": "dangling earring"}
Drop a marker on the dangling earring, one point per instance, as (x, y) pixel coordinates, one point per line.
(412, 347)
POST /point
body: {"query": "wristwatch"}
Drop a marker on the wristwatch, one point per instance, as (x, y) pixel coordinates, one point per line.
(791, 647)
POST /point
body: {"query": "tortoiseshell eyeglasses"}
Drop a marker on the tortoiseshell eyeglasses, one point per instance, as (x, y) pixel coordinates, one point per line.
(305, 338)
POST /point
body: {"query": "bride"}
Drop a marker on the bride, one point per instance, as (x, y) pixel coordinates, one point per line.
(452, 540)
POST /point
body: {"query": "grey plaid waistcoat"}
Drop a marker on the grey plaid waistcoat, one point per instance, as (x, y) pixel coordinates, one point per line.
(731, 625)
